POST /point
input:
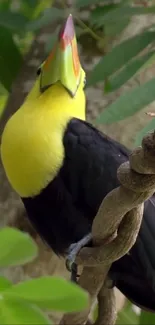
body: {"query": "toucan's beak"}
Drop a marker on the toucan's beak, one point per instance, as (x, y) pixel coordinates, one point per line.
(63, 62)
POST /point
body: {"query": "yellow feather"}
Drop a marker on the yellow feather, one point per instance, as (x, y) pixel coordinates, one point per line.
(32, 149)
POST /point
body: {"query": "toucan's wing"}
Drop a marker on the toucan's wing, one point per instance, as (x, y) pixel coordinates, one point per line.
(90, 166)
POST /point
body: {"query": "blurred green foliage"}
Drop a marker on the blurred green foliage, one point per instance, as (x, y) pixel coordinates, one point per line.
(20, 20)
(127, 315)
(22, 303)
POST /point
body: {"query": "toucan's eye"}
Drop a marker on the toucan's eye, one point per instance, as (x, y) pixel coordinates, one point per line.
(84, 82)
(38, 71)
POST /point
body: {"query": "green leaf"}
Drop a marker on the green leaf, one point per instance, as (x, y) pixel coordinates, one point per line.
(99, 16)
(42, 5)
(4, 283)
(5, 75)
(9, 64)
(33, 8)
(28, 7)
(107, 86)
(110, 29)
(49, 16)
(4, 4)
(148, 128)
(3, 97)
(16, 22)
(17, 313)
(16, 247)
(3, 91)
(149, 61)
(115, 28)
(84, 3)
(127, 316)
(50, 292)
(146, 318)
(80, 31)
(130, 70)
(119, 56)
(129, 103)
(31, 3)
(95, 14)
(3, 100)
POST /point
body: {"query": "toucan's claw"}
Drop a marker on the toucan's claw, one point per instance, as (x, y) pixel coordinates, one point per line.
(73, 251)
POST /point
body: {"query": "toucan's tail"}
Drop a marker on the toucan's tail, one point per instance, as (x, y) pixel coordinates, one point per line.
(131, 283)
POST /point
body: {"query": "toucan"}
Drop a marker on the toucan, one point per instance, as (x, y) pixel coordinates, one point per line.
(62, 167)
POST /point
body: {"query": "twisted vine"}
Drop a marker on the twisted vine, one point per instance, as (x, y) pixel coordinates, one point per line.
(115, 229)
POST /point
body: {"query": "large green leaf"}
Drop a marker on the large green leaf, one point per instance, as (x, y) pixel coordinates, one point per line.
(42, 5)
(148, 128)
(3, 93)
(33, 8)
(129, 103)
(3, 100)
(106, 10)
(130, 70)
(4, 283)
(127, 315)
(110, 29)
(84, 3)
(32, 3)
(116, 28)
(10, 58)
(99, 16)
(16, 247)
(50, 292)
(28, 7)
(14, 21)
(119, 56)
(17, 313)
(5, 75)
(4, 4)
(146, 318)
(49, 16)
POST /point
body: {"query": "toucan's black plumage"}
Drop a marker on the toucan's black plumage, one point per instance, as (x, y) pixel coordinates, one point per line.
(63, 213)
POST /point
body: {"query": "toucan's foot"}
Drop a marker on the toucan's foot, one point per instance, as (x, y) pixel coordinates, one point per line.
(73, 251)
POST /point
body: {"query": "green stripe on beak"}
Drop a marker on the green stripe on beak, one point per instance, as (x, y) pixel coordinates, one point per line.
(63, 62)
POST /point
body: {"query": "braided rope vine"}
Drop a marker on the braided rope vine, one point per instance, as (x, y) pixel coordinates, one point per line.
(121, 214)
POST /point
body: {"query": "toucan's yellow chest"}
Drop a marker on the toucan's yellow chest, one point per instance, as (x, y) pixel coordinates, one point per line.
(32, 143)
